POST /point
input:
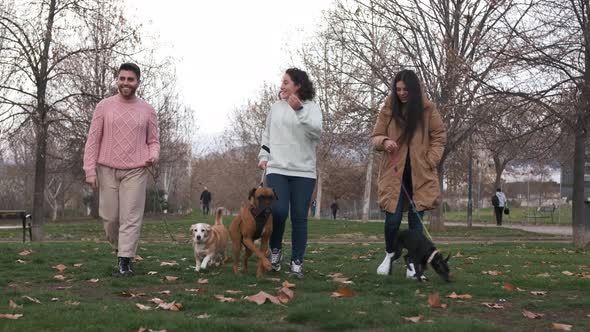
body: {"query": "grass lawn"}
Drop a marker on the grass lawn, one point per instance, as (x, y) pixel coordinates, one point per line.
(526, 215)
(379, 303)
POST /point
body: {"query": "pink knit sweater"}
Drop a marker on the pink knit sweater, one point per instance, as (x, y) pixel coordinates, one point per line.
(123, 135)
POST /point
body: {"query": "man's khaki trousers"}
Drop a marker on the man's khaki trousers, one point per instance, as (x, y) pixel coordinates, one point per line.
(121, 206)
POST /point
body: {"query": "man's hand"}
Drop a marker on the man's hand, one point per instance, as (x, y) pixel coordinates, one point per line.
(92, 182)
(294, 102)
(150, 162)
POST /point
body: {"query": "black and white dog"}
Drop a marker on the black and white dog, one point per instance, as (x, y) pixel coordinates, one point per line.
(421, 252)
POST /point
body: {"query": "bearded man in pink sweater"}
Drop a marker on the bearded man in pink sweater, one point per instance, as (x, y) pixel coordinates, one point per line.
(122, 142)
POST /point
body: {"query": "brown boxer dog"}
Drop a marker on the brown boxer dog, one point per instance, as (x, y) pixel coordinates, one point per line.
(253, 222)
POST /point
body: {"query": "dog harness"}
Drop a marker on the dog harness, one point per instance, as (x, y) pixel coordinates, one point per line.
(431, 257)
(260, 217)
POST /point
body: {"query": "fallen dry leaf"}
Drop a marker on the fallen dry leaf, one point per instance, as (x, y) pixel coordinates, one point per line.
(13, 305)
(539, 293)
(203, 281)
(230, 291)
(72, 302)
(458, 254)
(343, 292)
(454, 295)
(59, 277)
(434, 301)
(414, 319)
(493, 305)
(203, 316)
(287, 284)
(285, 295)
(131, 295)
(165, 292)
(156, 300)
(11, 316)
(509, 287)
(31, 299)
(544, 275)
(94, 280)
(562, 327)
(143, 307)
(222, 298)
(78, 264)
(567, 273)
(531, 315)
(261, 297)
(60, 267)
(274, 279)
(137, 258)
(63, 287)
(54, 299)
(493, 273)
(172, 306)
(171, 278)
(196, 290)
(168, 263)
(21, 261)
(25, 253)
(151, 273)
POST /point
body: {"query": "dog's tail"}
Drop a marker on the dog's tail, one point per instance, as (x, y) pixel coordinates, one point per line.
(218, 216)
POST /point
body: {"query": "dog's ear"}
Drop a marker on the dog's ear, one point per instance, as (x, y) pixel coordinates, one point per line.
(276, 196)
(448, 257)
(251, 193)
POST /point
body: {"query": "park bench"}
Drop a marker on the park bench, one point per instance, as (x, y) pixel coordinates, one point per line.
(17, 215)
(544, 212)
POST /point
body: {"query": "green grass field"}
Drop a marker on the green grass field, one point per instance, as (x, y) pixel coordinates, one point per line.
(521, 215)
(479, 269)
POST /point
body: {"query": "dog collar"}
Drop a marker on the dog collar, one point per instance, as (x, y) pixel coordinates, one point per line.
(431, 256)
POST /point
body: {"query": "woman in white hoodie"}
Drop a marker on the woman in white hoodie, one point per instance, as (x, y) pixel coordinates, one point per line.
(288, 154)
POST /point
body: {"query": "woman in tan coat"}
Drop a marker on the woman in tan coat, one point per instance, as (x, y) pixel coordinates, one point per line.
(410, 131)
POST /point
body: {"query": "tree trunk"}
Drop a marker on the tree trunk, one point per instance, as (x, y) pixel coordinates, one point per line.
(318, 195)
(578, 226)
(437, 222)
(368, 182)
(39, 190)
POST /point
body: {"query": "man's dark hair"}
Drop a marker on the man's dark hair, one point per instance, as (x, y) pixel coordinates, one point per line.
(498, 189)
(299, 77)
(131, 67)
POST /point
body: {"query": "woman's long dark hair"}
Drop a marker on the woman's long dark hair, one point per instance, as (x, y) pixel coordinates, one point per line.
(413, 116)
(299, 77)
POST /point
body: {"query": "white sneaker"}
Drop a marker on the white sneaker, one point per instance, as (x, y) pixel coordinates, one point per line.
(296, 269)
(276, 256)
(411, 273)
(385, 267)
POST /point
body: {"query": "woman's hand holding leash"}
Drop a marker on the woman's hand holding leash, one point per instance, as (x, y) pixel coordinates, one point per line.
(392, 150)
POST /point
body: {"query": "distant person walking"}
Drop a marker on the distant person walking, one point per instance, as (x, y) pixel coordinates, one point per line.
(499, 203)
(123, 141)
(334, 207)
(205, 201)
(313, 207)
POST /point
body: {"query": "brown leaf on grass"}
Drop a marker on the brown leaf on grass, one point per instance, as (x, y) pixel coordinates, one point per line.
(509, 287)
(493, 273)
(156, 300)
(172, 306)
(78, 264)
(493, 305)
(458, 254)
(434, 301)
(151, 273)
(130, 295)
(531, 315)
(231, 291)
(274, 279)
(59, 277)
(414, 319)
(10, 316)
(567, 273)
(54, 299)
(562, 327)
(13, 305)
(165, 292)
(343, 292)
(143, 307)
(72, 302)
(354, 257)
(261, 297)
(196, 290)
(137, 259)
(170, 278)
(63, 287)
(203, 281)
(143, 329)
(285, 295)
(21, 261)
(60, 267)
(222, 298)
(25, 253)
(539, 293)
(520, 289)
(203, 316)
(31, 299)
(94, 280)
(544, 275)
(287, 284)
(583, 275)
(168, 263)
(454, 295)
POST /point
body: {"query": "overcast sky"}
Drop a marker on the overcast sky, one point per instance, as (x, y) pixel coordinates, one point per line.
(227, 49)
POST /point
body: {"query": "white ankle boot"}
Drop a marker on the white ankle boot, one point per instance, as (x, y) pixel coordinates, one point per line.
(385, 267)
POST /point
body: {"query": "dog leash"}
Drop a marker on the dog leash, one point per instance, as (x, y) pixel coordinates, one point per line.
(154, 175)
(394, 160)
(263, 178)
